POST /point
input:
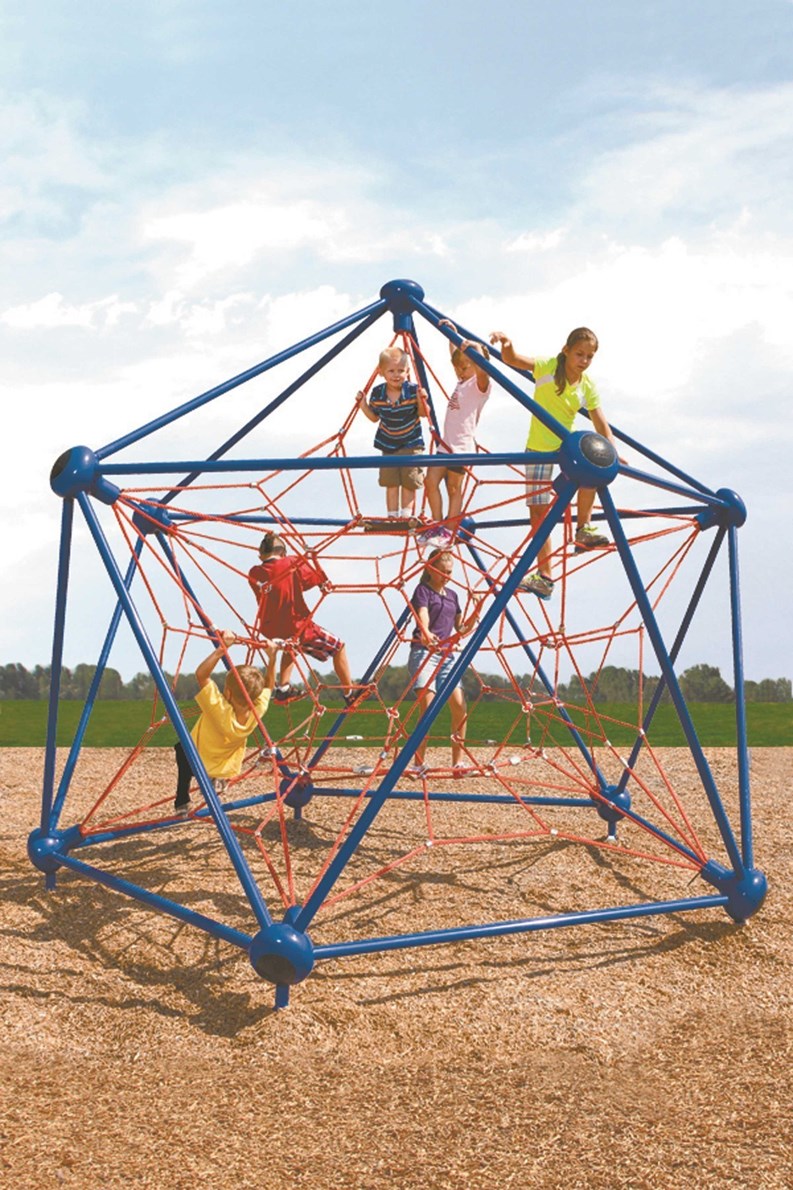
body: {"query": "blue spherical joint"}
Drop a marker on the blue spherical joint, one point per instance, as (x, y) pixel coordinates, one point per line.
(401, 297)
(297, 793)
(281, 954)
(730, 514)
(75, 471)
(151, 519)
(44, 846)
(745, 892)
(588, 460)
(619, 800)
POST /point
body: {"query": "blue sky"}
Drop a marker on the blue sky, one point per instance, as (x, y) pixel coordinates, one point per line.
(188, 187)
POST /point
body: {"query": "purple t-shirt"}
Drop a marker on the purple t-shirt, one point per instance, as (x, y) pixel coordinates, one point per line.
(443, 608)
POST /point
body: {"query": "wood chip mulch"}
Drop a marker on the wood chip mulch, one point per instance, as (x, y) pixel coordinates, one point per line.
(135, 1051)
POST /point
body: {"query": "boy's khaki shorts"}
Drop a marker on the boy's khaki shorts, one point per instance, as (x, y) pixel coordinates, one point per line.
(411, 478)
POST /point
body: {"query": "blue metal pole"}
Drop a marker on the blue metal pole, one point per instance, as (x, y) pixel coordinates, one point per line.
(228, 836)
(323, 463)
(161, 904)
(56, 667)
(744, 780)
(500, 929)
(112, 447)
(666, 485)
(423, 378)
(667, 669)
(93, 692)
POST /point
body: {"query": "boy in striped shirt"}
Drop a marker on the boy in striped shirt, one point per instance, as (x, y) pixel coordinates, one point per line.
(397, 406)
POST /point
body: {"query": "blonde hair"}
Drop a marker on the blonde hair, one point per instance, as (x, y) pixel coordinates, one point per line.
(580, 332)
(245, 683)
(395, 354)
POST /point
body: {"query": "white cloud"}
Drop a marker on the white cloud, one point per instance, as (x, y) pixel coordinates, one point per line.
(537, 241)
(54, 311)
(697, 153)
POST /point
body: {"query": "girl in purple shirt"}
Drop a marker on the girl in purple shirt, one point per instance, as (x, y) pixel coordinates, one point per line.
(439, 624)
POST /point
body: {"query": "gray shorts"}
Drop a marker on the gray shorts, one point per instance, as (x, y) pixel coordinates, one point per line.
(538, 480)
(411, 478)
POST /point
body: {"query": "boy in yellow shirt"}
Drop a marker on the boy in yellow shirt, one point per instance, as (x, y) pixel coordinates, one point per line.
(221, 731)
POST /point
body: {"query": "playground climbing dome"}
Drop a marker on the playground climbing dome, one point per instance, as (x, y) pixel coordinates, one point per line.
(329, 818)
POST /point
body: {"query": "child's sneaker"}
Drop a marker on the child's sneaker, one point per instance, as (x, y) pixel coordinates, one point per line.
(437, 536)
(182, 809)
(355, 696)
(588, 538)
(417, 770)
(283, 693)
(537, 584)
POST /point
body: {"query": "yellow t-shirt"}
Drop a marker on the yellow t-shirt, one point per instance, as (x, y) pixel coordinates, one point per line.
(563, 406)
(219, 735)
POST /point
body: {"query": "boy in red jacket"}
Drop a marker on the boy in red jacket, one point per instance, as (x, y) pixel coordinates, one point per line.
(278, 584)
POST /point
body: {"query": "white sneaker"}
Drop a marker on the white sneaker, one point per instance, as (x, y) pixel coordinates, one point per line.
(417, 770)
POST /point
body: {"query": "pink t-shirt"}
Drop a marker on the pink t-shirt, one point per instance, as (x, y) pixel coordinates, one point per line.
(462, 416)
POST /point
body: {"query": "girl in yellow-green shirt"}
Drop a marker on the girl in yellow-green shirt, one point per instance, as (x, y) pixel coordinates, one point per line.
(562, 388)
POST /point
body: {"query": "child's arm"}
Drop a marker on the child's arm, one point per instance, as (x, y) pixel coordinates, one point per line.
(429, 638)
(452, 327)
(508, 353)
(365, 407)
(463, 627)
(269, 674)
(421, 401)
(207, 667)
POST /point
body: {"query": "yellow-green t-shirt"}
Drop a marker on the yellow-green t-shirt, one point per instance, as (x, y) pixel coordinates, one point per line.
(219, 735)
(563, 406)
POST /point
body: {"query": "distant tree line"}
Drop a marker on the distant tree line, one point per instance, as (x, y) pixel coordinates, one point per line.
(700, 683)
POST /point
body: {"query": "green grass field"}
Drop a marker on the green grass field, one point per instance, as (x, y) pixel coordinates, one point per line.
(122, 724)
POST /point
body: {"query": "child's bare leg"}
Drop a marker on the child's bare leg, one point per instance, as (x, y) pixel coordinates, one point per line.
(454, 484)
(408, 501)
(425, 697)
(433, 487)
(586, 499)
(287, 666)
(392, 500)
(537, 516)
(342, 666)
(459, 722)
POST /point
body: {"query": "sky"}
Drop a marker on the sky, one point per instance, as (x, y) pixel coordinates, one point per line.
(189, 187)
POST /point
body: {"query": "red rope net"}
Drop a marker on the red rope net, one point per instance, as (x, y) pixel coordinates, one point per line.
(541, 666)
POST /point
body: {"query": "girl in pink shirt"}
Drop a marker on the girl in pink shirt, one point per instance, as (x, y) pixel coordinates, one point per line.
(462, 417)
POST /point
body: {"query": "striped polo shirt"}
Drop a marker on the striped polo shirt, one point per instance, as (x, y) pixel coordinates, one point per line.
(400, 426)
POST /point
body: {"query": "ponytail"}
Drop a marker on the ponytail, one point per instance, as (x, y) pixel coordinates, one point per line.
(580, 332)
